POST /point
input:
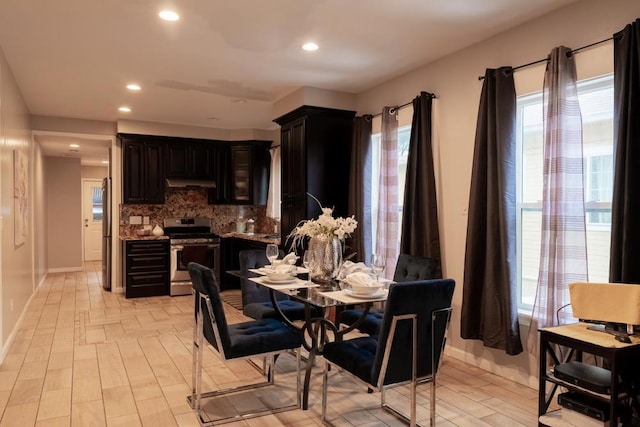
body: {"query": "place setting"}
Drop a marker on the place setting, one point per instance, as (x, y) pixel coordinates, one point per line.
(285, 265)
(359, 282)
(281, 273)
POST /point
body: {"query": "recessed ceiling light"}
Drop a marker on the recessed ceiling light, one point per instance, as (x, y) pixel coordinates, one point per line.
(124, 109)
(133, 86)
(310, 46)
(169, 15)
(74, 146)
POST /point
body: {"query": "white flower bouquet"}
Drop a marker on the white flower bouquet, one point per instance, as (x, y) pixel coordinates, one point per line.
(324, 228)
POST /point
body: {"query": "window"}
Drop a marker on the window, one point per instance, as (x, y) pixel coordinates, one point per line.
(596, 104)
(404, 135)
(96, 203)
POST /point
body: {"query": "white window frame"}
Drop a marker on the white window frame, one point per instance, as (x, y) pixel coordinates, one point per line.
(584, 87)
(403, 131)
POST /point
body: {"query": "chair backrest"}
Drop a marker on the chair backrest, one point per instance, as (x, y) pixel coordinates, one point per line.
(252, 292)
(204, 282)
(421, 298)
(413, 267)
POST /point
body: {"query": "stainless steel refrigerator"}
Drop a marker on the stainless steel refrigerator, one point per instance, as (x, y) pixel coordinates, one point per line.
(106, 233)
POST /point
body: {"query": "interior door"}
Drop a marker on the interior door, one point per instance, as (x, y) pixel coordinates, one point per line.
(92, 214)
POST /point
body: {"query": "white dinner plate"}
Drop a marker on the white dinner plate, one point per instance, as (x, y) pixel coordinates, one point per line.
(279, 282)
(378, 294)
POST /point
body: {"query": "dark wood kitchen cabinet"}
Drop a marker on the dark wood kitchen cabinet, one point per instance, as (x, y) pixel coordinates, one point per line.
(193, 160)
(143, 171)
(250, 173)
(315, 155)
(230, 256)
(220, 194)
(146, 268)
(240, 169)
(244, 178)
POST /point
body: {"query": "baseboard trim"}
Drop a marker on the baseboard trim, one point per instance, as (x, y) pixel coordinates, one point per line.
(64, 270)
(16, 328)
(513, 374)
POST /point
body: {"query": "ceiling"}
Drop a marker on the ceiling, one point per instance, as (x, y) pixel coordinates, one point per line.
(91, 150)
(224, 63)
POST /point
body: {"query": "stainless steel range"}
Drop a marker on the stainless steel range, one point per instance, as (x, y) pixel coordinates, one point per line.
(191, 239)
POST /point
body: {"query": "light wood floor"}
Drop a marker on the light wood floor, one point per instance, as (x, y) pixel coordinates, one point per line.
(86, 357)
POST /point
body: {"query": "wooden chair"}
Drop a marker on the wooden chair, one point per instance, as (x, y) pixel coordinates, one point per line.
(407, 350)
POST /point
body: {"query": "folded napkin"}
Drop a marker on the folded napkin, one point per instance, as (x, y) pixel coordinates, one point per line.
(290, 258)
(359, 278)
(349, 267)
(284, 268)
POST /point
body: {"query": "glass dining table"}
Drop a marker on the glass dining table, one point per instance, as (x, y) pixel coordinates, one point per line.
(323, 302)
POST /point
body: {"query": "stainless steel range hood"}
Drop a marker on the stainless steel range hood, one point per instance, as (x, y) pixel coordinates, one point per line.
(190, 183)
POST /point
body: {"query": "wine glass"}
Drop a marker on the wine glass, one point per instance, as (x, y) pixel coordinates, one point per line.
(377, 265)
(306, 261)
(272, 253)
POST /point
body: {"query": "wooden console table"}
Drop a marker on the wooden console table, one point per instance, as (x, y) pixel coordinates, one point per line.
(623, 360)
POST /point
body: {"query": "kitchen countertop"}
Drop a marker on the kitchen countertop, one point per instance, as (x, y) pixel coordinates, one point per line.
(258, 237)
(136, 237)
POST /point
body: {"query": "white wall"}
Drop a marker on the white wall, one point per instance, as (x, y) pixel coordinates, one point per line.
(455, 82)
(64, 214)
(186, 131)
(17, 277)
(40, 217)
(94, 172)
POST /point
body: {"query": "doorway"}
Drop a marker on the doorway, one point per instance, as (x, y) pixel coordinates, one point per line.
(92, 215)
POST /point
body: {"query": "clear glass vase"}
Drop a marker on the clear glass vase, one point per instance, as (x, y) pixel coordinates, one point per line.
(326, 259)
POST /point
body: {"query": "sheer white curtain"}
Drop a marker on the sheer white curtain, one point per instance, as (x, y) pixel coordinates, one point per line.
(563, 249)
(273, 197)
(387, 242)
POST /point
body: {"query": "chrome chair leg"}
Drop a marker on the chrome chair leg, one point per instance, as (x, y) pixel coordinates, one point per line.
(298, 385)
(432, 404)
(414, 369)
(325, 386)
(196, 401)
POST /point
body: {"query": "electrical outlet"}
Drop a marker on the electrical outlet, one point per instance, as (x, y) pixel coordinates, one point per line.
(135, 220)
(145, 220)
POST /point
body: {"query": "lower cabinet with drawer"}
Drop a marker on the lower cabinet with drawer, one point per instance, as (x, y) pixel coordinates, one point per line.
(146, 268)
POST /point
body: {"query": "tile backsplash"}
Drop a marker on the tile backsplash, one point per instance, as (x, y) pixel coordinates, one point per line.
(193, 203)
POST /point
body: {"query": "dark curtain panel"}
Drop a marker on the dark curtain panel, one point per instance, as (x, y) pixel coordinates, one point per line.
(625, 208)
(420, 233)
(489, 306)
(360, 189)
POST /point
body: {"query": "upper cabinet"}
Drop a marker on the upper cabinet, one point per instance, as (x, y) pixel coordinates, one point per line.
(244, 179)
(193, 160)
(240, 169)
(143, 171)
(315, 155)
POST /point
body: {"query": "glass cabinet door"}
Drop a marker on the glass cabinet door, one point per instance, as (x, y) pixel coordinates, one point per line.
(241, 161)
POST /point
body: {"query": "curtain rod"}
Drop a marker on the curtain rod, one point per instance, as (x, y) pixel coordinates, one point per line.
(395, 108)
(571, 52)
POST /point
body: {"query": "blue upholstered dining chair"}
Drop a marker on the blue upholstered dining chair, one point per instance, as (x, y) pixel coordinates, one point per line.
(264, 338)
(408, 268)
(407, 349)
(256, 302)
